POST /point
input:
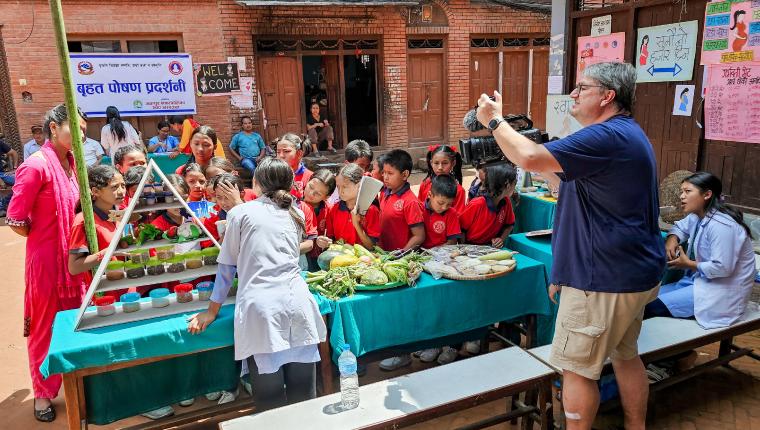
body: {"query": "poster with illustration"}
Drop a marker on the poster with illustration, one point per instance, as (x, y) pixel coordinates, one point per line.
(683, 100)
(600, 49)
(559, 122)
(731, 33)
(666, 52)
(732, 106)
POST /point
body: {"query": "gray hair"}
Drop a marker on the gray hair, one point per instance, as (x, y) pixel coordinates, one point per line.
(619, 77)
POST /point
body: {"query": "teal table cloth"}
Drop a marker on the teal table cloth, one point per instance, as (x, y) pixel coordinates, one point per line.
(370, 321)
(533, 214)
(166, 164)
(539, 249)
(127, 392)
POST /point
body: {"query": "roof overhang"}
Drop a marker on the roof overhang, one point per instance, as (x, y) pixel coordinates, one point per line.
(328, 2)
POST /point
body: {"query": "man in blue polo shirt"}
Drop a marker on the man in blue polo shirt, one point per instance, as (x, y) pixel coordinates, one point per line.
(608, 253)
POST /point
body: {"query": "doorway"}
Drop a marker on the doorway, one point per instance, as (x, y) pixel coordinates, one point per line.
(339, 75)
(426, 98)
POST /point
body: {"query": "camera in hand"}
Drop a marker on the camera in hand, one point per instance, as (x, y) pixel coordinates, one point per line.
(484, 149)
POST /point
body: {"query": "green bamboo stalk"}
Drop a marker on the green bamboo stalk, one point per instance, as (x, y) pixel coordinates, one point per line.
(76, 133)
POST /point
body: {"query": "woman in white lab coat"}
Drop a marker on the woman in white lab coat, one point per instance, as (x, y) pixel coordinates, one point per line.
(277, 321)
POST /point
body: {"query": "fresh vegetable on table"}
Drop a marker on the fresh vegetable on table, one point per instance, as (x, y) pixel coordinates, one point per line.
(361, 267)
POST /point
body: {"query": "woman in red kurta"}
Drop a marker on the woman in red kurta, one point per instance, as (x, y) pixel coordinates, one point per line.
(740, 31)
(42, 210)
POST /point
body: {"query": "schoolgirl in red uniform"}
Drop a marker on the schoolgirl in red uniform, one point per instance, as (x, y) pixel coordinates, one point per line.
(443, 160)
(291, 149)
(488, 219)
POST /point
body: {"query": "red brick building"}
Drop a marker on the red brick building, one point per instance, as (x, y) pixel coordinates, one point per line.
(396, 73)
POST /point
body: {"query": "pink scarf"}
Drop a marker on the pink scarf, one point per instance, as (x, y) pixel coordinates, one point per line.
(66, 194)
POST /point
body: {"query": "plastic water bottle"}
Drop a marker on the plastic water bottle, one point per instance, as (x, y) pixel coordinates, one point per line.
(349, 380)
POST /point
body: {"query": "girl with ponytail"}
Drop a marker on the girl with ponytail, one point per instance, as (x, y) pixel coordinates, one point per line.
(718, 258)
(443, 160)
(118, 133)
(277, 322)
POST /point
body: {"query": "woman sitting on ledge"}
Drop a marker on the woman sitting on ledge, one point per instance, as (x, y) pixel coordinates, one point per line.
(719, 263)
(319, 130)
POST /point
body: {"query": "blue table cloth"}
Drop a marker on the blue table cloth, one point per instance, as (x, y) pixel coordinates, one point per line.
(534, 212)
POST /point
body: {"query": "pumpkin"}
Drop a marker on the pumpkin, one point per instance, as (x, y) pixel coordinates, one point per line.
(324, 258)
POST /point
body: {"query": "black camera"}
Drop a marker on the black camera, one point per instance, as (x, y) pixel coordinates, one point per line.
(484, 149)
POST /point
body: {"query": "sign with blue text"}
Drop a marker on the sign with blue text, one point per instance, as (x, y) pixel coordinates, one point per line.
(137, 84)
(666, 52)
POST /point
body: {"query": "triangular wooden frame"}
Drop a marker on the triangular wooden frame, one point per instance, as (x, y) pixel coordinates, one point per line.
(152, 167)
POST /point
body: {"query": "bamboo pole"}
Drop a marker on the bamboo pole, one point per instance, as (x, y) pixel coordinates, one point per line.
(76, 133)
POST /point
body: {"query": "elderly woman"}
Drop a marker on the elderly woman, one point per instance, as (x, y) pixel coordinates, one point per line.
(46, 194)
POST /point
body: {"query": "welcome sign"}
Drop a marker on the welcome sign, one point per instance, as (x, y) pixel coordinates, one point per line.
(217, 79)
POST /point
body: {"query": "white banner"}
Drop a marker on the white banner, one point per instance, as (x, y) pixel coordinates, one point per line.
(137, 84)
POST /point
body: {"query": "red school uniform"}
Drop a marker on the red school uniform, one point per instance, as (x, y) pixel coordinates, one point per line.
(308, 220)
(301, 177)
(440, 228)
(399, 212)
(163, 222)
(483, 220)
(320, 222)
(427, 184)
(340, 227)
(104, 230)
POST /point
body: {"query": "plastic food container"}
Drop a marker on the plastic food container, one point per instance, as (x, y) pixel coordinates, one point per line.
(143, 201)
(210, 255)
(139, 256)
(176, 264)
(130, 302)
(105, 305)
(148, 189)
(134, 270)
(204, 290)
(159, 298)
(150, 199)
(233, 289)
(115, 270)
(158, 187)
(184, 293)
(155, 267)
(169, 197)
(193, 260)
(164, 253)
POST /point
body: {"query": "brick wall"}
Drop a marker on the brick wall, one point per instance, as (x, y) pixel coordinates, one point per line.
(195, 21)
(241, 25)
(211, 30)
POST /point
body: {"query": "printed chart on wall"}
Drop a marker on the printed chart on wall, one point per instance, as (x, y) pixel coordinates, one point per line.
(732, 106)
(600, 49)
(559, 122)
(666, 52)
(732, 32)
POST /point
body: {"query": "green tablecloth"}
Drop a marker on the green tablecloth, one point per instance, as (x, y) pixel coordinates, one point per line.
(539, 249)
(166, 164)
(370, 321)
(123, 393)
(533, 214)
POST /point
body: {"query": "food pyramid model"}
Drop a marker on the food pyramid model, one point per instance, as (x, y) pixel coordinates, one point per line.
(177, 258)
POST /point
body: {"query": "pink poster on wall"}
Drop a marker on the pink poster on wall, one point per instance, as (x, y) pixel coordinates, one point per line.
(732, 106)
(731, 32)
(599, 49)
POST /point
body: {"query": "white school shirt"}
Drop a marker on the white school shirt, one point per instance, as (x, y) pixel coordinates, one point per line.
(725, 267)
(274, 310)
(92, 150)
(112, 143)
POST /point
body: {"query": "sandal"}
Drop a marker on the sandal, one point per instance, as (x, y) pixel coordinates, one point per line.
(46, 415)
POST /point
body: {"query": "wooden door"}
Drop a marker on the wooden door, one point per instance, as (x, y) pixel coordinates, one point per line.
(280, 84)
(334, 96)
(484, 75)
(426, 100)
(539, 88)
(515, 81)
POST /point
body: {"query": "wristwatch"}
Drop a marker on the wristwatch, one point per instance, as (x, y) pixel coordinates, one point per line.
(495, 123)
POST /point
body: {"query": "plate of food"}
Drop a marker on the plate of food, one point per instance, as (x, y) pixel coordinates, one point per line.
(469, 262)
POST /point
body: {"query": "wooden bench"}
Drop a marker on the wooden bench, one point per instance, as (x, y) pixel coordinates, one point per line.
(424, 395)
(665, 337)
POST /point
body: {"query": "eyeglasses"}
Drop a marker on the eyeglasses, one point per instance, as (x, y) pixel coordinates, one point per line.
(580, 87)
